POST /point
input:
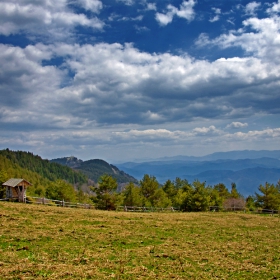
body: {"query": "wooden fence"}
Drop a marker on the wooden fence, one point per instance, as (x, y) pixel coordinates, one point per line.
(62, 203)
(54, 202)
(243, 209)
(145, 209)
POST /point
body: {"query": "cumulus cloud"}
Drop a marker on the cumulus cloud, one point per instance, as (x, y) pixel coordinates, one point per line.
(185, 11)
(22, 76)
(263, 43)
(92, 5)
(251, 8)
(52, 18)
(114, 83)
(275, 8)
(237, 125)
(108, 94)
(108, 73)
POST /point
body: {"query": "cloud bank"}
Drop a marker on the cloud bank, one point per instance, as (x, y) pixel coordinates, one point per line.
(64, 94)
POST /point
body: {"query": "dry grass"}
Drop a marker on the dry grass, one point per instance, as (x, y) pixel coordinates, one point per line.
(44, 242)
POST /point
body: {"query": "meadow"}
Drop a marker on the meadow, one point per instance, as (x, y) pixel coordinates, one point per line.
(47, 242)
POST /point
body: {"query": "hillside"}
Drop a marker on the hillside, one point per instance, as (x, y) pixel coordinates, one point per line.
(95, 168)
(9, 169)
(49, 170)
(41, 173)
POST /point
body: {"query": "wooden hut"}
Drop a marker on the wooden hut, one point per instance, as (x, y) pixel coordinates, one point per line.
(16, 189)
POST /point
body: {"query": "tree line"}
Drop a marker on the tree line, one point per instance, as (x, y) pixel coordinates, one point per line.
(179, 194)
(182, 195)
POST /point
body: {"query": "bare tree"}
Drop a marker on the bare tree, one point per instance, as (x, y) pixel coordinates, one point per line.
(234, 204)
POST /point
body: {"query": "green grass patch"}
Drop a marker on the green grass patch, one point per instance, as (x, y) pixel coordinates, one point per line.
(40, 242)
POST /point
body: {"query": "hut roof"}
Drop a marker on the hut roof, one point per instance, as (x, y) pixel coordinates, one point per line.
(14, 182)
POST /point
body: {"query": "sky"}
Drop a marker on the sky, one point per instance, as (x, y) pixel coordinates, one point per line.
(134, 79)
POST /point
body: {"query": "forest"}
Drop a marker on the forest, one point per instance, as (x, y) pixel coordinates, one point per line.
(55, 181)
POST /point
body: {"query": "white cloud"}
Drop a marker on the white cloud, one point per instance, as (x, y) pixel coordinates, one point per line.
(215, 18)
(251, 8)
(206, 130)
(151, 6)
(165, 19)
(263, 43)
(275, 8)
(138, 18)
(217, 11)
(141, 28)
(47, 18)
(92, 5)
(186, 11)
(148, 134)
(202, 134)
(104, 74)
(237, 125)
(256, 134)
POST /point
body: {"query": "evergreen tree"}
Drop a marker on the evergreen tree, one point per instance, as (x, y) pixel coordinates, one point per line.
(106, 197)
(201, 197)
(160, 199)
(3, 179)
(132, 195)
(61, 190)
(148, 187)
(269, 197)
(234, 193)
(250, 203)
(223, 191)
(179, 199)
(170, 189)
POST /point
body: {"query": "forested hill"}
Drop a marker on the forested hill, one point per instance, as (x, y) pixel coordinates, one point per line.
(49, 170)
(95, 168)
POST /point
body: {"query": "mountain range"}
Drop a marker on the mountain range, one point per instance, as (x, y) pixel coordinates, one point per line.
(248, 169)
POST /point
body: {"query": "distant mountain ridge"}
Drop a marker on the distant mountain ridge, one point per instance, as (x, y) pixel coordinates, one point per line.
(242, 154)
(95, 168)
(248, 172)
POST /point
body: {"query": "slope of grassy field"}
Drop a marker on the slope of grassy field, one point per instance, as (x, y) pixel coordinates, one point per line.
(45, 242)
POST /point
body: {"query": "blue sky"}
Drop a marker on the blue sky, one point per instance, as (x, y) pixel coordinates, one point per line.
(126, 79)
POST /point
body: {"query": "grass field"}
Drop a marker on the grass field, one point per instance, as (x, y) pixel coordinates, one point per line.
(45, 242)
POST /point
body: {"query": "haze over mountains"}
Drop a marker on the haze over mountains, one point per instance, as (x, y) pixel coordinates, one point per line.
(248, 169)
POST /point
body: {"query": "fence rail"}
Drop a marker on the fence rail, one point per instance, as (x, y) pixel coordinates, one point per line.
(145, 209)
(62, 203)
(53, 202)
(243, 209)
